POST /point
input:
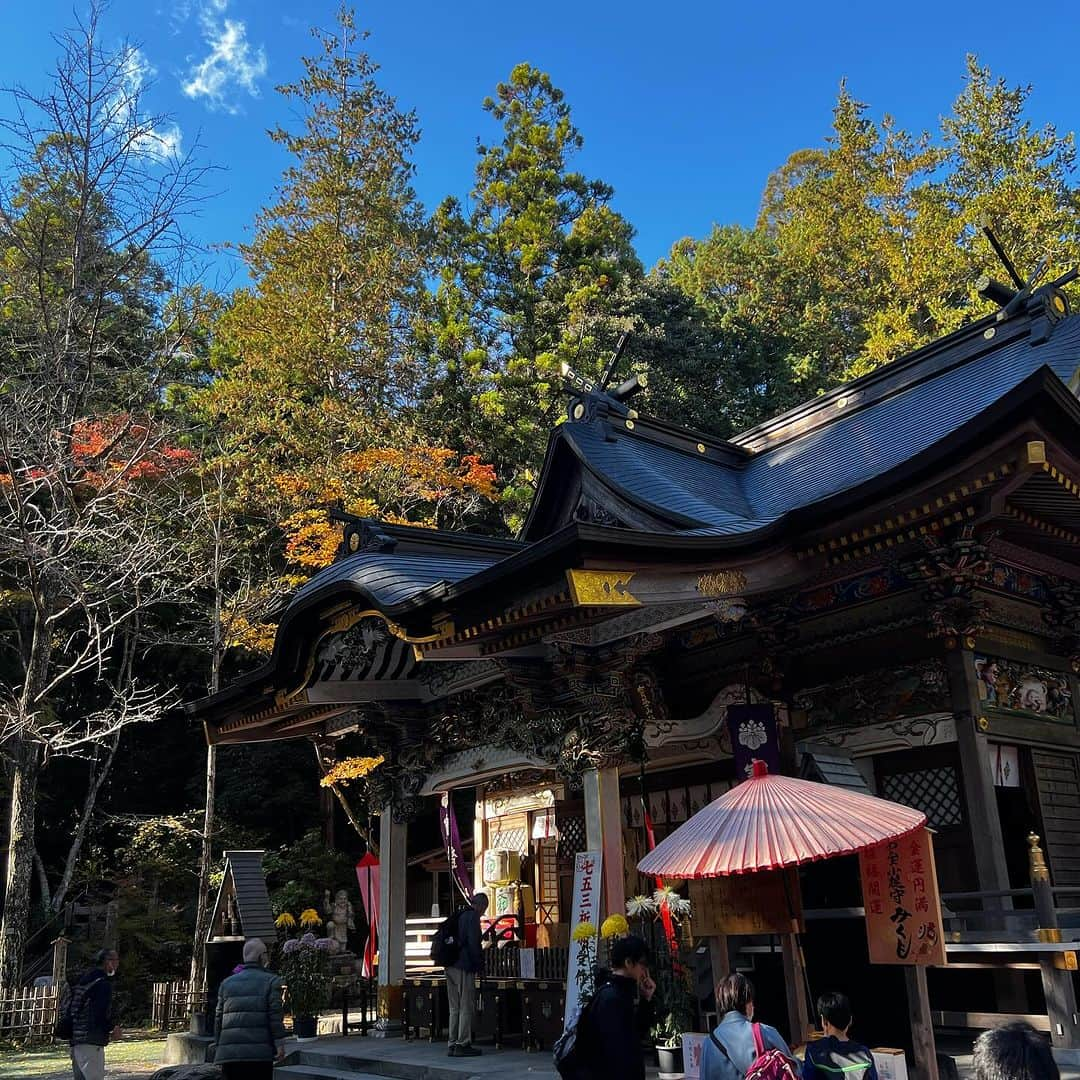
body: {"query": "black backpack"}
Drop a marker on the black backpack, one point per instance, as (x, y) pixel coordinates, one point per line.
(445, 946)
(570, 1053)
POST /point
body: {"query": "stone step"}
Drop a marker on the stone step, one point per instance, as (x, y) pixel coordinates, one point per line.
(319, 1072)
(411, 1063)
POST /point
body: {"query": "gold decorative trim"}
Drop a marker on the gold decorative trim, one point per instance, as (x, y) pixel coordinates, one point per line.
(721, 582)
(897, 522)
(1062, 478)
(1055, 531)
(1036, 452)
(601, 588)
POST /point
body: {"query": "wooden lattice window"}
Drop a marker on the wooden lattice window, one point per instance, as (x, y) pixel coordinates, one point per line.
(936, 792)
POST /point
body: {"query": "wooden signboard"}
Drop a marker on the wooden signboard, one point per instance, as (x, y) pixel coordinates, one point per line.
(903, 906)
(747, 904)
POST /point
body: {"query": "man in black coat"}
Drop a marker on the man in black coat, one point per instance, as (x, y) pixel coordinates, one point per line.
(621, 1013)
(92, 1023)
(461, 978)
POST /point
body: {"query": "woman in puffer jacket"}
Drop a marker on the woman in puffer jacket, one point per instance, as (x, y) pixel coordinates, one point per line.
(250, 1023)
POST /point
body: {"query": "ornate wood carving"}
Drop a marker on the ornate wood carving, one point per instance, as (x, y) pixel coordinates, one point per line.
(952, 568)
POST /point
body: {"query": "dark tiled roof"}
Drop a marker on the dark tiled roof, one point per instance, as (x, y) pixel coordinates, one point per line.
(697, 494)
(390, 578)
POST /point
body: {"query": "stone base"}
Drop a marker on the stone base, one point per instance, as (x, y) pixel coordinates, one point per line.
(183, 1048)
(188, 1072)
(1067, 1055)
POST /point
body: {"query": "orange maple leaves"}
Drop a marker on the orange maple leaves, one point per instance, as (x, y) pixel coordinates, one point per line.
(404, 485)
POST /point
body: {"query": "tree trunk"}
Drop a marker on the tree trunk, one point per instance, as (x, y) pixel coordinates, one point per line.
(206, 862)
(96, 782)
(26, 758)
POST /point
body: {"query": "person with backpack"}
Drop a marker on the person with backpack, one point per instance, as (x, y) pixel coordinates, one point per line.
(88, 1017)
(835, 1057)
(461, 974)
(620, 1014)
(738, 1047)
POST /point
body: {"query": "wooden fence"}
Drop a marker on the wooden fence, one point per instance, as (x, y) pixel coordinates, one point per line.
(173, 1003)
(28, 1012)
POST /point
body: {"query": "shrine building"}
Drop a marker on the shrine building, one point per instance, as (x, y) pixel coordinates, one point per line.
(894, 565)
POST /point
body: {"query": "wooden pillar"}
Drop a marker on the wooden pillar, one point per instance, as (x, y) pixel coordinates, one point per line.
(603, 832)
(479, 839)
(795, 988)
(327, 811)
(977, 775)
(922, 1026)
(1057, 981)
(393, 837)
(719, 958)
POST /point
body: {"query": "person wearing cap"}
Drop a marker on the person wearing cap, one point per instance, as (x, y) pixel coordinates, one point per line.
(250, 1022)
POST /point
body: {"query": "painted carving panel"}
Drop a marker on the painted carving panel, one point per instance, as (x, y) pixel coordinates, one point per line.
(877, 696)
(1024, 688)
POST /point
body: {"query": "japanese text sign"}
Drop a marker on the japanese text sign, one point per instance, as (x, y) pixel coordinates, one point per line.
(585, 909)
(903, 907)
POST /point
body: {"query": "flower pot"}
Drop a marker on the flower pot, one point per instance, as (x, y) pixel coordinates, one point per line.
(670, 1061)
(305, 1028)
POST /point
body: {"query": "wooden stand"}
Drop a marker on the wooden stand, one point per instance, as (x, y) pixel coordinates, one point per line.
(922, 1027)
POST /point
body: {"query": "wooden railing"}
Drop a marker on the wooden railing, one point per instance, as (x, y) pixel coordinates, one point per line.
(172, 1004)
(28, 1013)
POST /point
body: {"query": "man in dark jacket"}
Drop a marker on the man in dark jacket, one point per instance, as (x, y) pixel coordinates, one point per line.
(461, 979)
(836, 1057)
(620, 1014)
(91, 1012)
(250, 1023)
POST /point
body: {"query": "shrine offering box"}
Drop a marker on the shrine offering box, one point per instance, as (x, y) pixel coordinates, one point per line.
(890, 1063)
(501, 867)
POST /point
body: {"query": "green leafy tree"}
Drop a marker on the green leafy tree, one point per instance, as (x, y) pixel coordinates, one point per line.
(869, 246)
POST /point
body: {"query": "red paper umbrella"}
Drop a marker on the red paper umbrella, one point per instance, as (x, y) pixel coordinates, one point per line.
(768, 822)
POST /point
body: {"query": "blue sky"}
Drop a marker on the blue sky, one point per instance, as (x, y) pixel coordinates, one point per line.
(685, 107)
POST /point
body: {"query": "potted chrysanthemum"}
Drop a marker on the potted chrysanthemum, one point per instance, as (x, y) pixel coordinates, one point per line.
(304, 967)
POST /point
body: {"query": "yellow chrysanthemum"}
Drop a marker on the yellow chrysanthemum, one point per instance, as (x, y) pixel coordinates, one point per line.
(310, 917)
(614, 926)
(584, 931)
(284, 921)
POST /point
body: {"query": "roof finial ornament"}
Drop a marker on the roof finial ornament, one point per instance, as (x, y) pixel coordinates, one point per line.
(1011, 299)
(585, 396)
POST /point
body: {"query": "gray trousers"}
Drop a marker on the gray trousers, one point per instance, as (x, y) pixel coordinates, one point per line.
(461, 991)
(88, 1062)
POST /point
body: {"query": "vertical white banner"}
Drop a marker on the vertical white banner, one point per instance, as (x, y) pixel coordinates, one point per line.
(585, 909)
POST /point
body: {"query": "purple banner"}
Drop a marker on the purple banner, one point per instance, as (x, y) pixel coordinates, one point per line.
(754, 737)
(459, 868)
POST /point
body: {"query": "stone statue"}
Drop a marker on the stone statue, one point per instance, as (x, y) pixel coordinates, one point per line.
(339, 918)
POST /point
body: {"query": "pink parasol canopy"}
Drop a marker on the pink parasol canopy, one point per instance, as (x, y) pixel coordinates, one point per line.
(768, 822)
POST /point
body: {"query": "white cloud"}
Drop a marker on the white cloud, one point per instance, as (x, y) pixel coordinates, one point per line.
(158, 143)
(231, 65)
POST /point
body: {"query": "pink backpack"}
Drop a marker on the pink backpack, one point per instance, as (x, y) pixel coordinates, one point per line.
(770, 1064)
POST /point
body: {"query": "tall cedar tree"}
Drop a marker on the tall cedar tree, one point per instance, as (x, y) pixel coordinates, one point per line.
(313, 370)
(527, 268)
(314, 365)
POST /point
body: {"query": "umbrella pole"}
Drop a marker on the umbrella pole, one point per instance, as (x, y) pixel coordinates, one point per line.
(798, 947)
